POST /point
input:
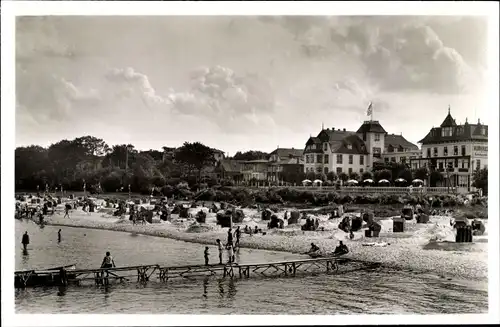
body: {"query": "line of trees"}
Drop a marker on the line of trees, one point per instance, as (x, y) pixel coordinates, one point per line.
(89, 161)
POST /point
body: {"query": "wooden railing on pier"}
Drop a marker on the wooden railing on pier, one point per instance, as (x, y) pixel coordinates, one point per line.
(143, 274)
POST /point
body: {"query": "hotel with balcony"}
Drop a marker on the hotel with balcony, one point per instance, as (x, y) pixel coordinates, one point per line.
(455, 151)
(344, 151)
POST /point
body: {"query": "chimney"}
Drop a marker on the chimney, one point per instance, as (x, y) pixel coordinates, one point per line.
(478, 121)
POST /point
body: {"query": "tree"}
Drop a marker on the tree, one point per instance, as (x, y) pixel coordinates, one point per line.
(480, 177)
(367, 175)
(406, 175)
(250, 155)
(421, 173)
(343, 177)
(354, 175)
(195, 156)
(435, 178)
(382, 174)
(331, 176)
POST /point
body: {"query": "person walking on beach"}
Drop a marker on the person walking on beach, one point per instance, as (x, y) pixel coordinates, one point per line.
(206, 255)
(230, 236)
(25, 241)
(220, 247)
(59, 236)
(237, 234)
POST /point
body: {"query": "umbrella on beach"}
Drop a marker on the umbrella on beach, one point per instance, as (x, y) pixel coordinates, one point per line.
(400, 180)
(368, 180)
(306, 181)
(318, 181)
(352, 181)
(384, 181)
(416, 181)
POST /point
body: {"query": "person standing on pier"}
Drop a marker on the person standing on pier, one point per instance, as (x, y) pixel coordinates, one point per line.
(25, 241)
(237, 234)
(230, 252)
(206, 255)
(219, 246)
(59, 236)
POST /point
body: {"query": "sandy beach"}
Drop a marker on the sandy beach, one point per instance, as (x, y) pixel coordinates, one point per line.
(428, 248)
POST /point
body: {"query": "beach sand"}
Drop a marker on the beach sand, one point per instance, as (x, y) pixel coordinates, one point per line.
(428, 248)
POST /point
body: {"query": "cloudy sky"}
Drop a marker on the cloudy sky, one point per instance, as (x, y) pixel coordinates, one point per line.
(241, 83)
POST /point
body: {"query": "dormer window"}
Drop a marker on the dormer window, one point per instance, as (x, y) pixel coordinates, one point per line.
(483, 130)
(349, 146)
(325, 146)
(446, 131)
(460, 130)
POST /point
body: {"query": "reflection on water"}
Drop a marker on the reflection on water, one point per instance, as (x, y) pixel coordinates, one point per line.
(378, 291)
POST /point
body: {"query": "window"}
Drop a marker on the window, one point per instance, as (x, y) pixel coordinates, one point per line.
(350, 159)
(450, 165)
(361, 170)
(349, 146)
(307, 158)
(445, 151)
(325, 146)
(446, 131)
(386, 159)
(350, 171)
(463, 150)
(319, 158)
(456, 163)
(478, 164)
(307, 169)
(403, 159)
(459, 130)
(364, 137)
(455, 150)
(311, 159)
(376, 152)
(339, 170)
(326, 158)
(377, 137)
(339, 159)
(318, 170)
(325, 170)
(483, 131)
(428, 152)
(393, 159)
(361, 160)
(390, 148)
(440, 165)
(435, 152)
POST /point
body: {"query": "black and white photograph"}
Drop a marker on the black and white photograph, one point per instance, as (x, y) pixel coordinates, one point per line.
(315, 163)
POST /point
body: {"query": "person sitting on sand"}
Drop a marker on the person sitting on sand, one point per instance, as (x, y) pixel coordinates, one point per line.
(246, 229)
(341, 249)
(256, 230)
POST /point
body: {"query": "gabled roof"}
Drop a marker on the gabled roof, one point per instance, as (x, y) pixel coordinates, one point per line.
(371, 126)
(398, 140)
(463, 132)
(342, 146)
(287, 153)
(230, 165)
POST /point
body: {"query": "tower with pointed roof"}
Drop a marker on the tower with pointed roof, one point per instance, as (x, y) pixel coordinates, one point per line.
(373, 134)
(455, 151)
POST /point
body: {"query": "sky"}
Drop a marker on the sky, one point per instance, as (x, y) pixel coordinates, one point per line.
(239, 83)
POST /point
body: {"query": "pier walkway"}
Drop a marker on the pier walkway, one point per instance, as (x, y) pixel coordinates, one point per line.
(145, 273)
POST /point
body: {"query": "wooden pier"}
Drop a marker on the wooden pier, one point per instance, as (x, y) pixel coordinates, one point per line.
(145, 273)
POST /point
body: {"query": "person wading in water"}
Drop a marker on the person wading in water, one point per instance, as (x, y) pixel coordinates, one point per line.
(25, 241)
(206, 255)
(59, 236)
(221, 248)
(230, 237)
(237, 234)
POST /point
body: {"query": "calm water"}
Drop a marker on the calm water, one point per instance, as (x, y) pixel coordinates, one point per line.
(380, 291)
